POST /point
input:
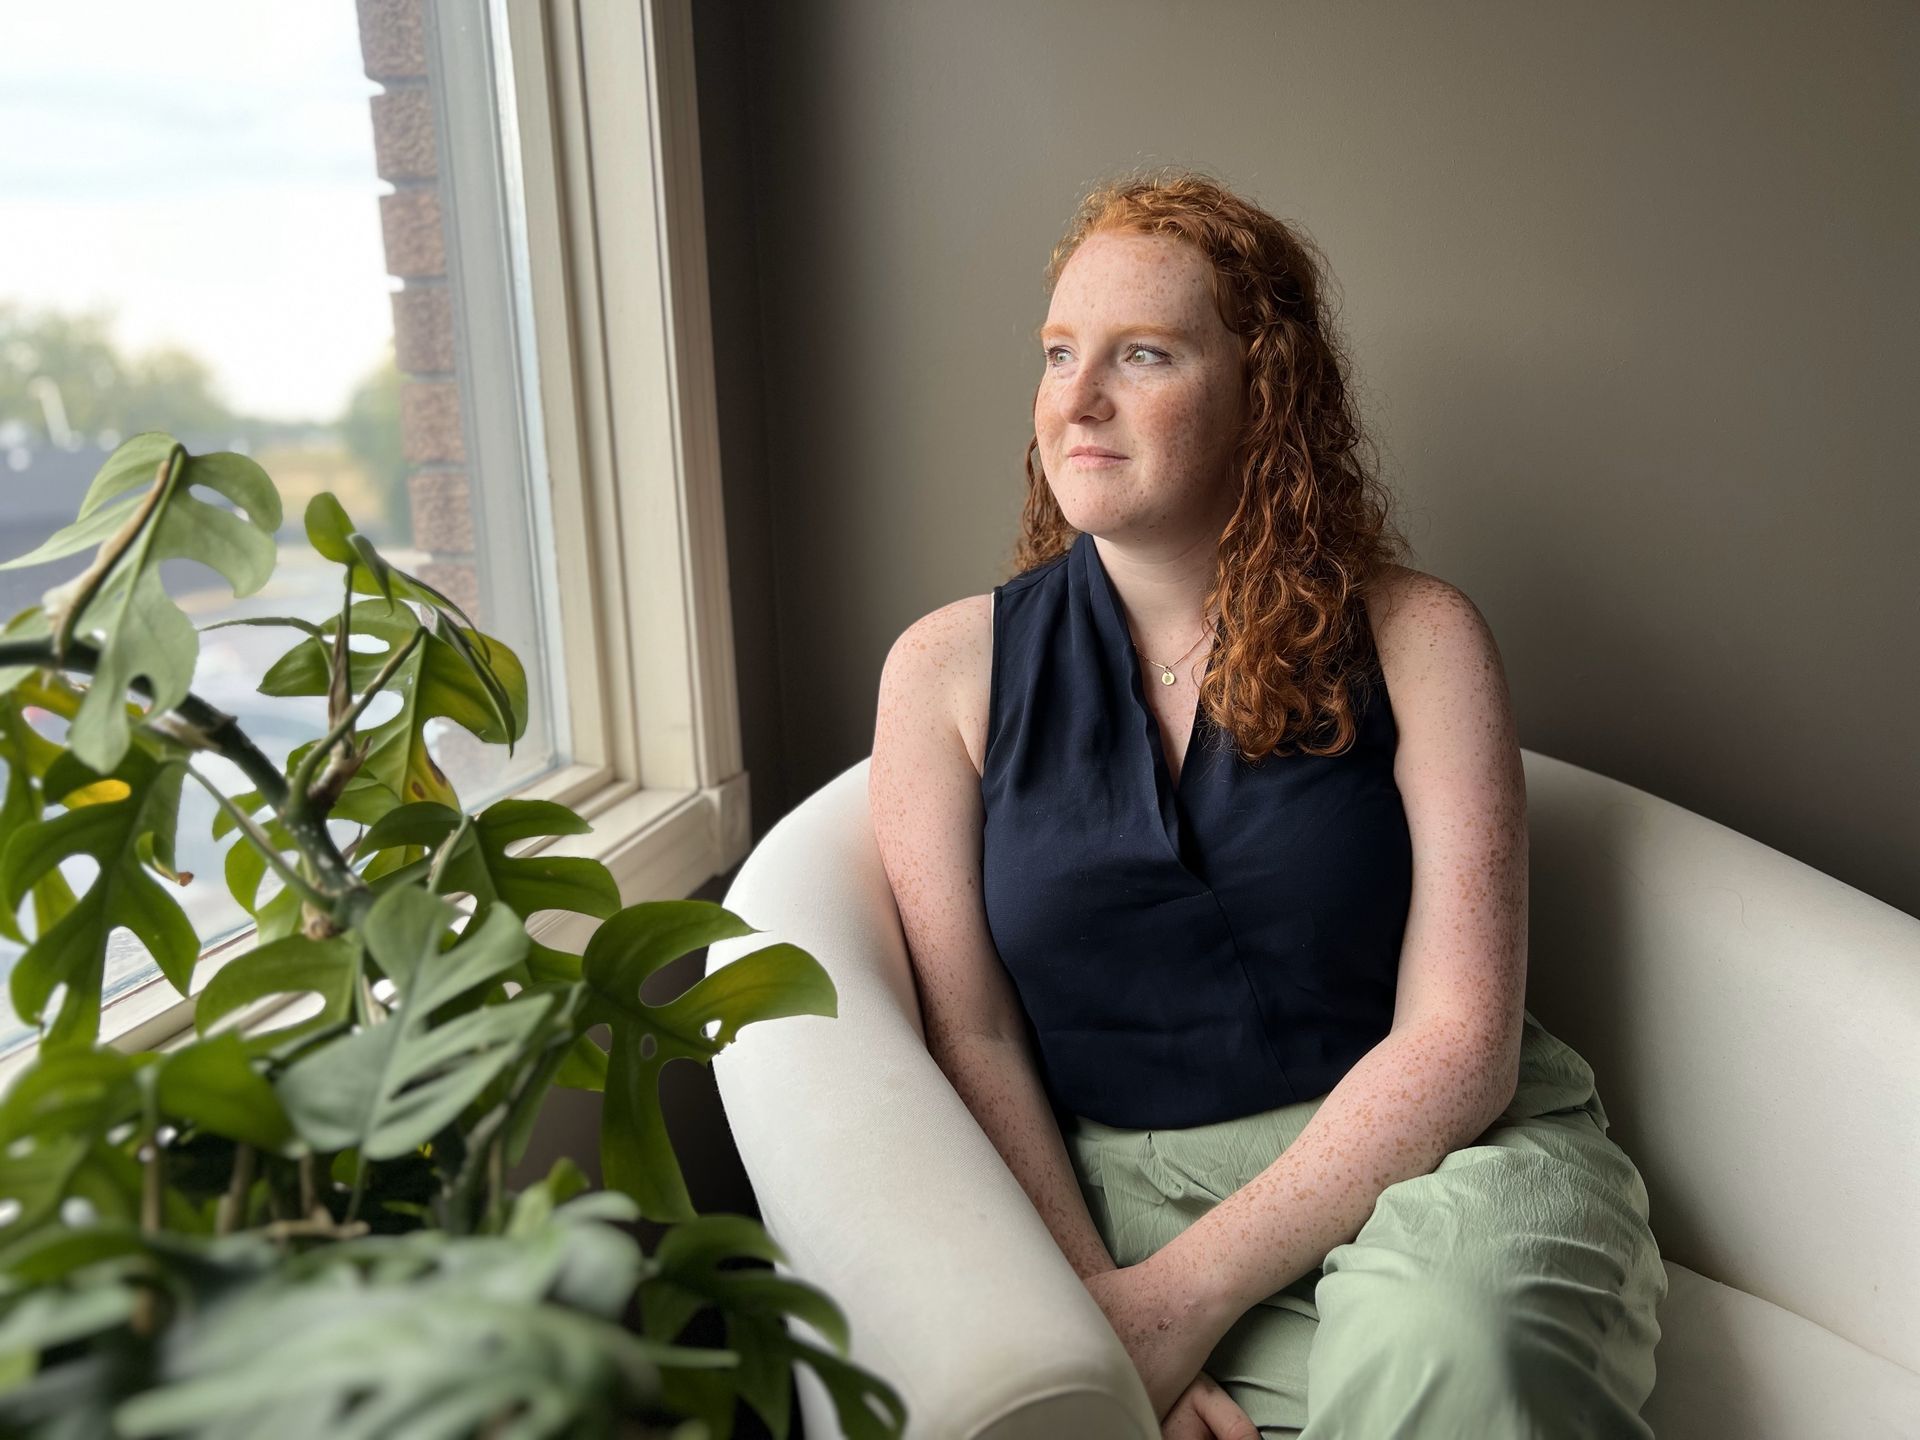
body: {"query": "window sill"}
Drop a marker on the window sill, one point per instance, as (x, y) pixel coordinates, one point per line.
(659, 843)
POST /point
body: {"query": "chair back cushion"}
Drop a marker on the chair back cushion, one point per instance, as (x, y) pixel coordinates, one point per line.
(1754, 1029)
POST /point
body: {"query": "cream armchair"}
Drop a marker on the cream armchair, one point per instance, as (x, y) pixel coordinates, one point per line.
(1754, 1024)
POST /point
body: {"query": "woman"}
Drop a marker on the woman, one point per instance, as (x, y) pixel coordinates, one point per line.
(1208, 834)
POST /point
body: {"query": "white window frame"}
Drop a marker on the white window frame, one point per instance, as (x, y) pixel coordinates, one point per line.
(604, 100)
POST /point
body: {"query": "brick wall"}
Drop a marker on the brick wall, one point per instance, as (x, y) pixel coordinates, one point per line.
(393, 53)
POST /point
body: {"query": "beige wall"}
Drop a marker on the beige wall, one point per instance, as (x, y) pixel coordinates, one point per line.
(1631, 294)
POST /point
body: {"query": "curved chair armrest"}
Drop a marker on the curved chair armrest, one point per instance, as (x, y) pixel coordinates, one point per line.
(875, 1179)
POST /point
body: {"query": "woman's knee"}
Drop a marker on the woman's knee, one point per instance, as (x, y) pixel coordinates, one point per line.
(1423, 1323)
(1406, 1350)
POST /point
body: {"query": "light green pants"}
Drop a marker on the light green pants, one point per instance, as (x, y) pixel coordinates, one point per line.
(1509, 1292)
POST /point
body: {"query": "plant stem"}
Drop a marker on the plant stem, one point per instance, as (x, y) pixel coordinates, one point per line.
(447, 847)
(224, 736)
(152, 1180)
(340, 663)
(310, 762)
(462, 1193)
(314, 1229)
(223, 732)
(268, 850)
(361, 1169)
(135, 530)
(496, 1179)
(233, 1205)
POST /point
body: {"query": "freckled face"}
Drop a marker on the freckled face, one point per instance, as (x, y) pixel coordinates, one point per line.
(1137, 361)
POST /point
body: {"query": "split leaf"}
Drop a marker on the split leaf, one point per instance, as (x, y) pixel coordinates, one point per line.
(636, 1154)
(119, 835)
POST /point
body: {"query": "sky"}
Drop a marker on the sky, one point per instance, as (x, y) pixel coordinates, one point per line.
(204, 168)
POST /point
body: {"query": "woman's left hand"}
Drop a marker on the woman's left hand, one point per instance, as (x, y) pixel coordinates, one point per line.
(1167, 1330)
(1205, 1411)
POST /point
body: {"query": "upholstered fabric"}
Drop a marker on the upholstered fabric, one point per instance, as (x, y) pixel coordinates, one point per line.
(1752, 1023)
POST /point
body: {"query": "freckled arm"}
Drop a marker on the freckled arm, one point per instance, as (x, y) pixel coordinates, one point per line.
(1425, 1090)
(1450, 1064)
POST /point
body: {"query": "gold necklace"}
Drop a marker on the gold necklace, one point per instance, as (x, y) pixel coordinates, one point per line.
(1166, 671)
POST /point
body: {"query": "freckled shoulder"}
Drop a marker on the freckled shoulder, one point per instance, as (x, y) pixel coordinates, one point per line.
(958, 641)
(1407, 608)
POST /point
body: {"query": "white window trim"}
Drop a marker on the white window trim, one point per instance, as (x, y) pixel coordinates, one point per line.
(616, 248)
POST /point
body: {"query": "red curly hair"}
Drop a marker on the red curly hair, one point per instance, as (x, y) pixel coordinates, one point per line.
(1311, 533)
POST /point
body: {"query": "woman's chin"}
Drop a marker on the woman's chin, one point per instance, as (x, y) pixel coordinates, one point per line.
(1091, 507)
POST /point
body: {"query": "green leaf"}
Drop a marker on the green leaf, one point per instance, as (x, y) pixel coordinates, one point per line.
(27, 754)
(533, 1206)
(40, 1320)
(29, 624)
(292, 965)
(854, 1391)
(81, 535)
(70, 1092)
(691, 1275)
(481, 867)
(146, 636)
(636, 1154)
(223, 820)
(42, 1172)
(74, 949)
(241, 547)
(279, 917)
(364, 800)
(699, 1245)
(585, 1067)
(407, 930)
(36, 1174)
(24, 747)
(328, 527)
(52, 1254)
(435, 680)
(212, 1084)
(246, 865)
(426, 1335)
(434, 1356)
(131, 467)
(45, 1172)
(555, 1046)
(140, 631)
(391, 1086)
(332, 534)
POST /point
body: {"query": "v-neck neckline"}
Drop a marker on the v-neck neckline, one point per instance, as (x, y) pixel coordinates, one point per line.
(1111, 621)
(1178, 782)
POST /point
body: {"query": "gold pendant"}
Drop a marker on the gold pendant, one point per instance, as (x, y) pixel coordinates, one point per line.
(1166, 677)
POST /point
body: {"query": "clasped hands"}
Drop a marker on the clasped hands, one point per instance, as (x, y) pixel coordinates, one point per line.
(1168, 1333)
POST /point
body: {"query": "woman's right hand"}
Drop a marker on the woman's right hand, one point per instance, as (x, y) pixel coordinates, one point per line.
(1204, 1411)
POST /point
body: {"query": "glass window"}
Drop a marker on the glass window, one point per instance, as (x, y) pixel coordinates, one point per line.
(271, 230)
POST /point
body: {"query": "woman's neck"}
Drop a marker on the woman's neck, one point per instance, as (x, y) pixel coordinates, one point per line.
(1162, 591)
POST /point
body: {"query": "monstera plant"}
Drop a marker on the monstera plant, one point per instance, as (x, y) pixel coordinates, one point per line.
(308, 1230)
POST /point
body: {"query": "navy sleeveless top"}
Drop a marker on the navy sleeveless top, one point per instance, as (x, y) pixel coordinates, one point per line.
(1185, 953)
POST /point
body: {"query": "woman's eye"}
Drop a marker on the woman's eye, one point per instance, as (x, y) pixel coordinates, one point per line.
(1131, 349)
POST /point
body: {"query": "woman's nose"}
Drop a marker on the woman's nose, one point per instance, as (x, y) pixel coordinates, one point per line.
(1082, 395)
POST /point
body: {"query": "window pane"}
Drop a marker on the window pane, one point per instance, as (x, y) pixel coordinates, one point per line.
(240, 224)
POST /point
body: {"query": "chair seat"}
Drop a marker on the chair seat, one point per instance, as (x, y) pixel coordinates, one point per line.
(1732, 1365)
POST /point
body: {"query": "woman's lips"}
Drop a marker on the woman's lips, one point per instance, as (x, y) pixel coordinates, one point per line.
(1096, 462)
